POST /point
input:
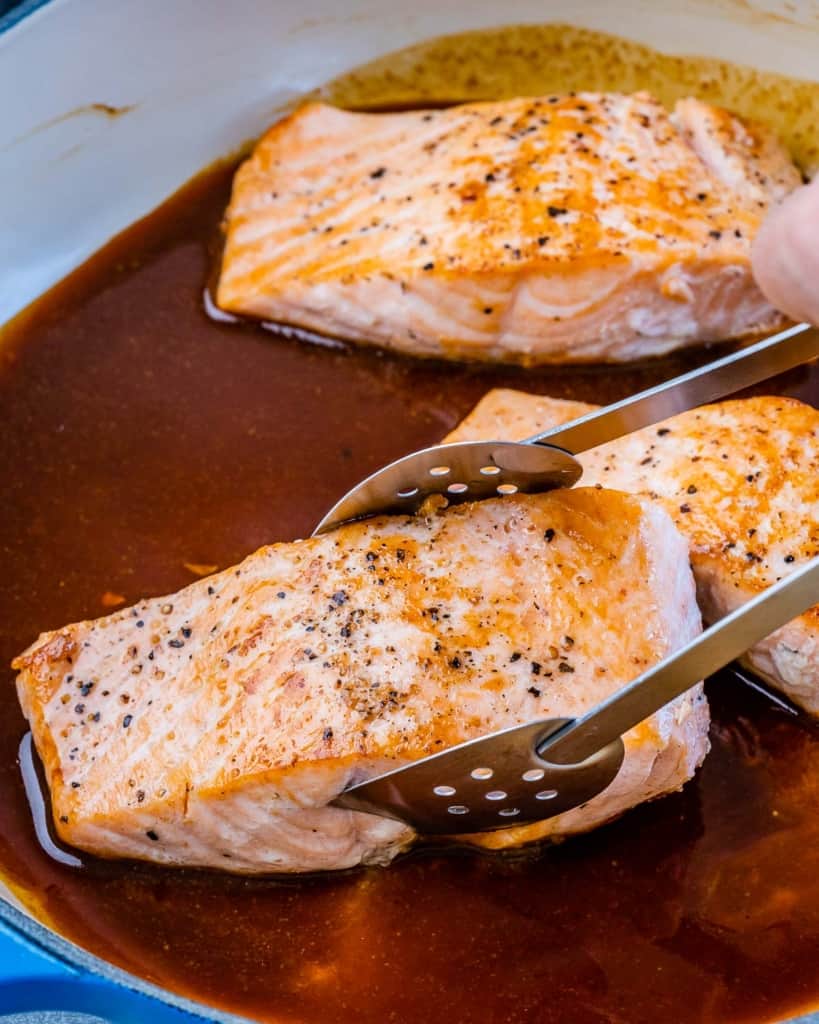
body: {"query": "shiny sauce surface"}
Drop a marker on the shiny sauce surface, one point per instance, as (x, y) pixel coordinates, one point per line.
(143, 444)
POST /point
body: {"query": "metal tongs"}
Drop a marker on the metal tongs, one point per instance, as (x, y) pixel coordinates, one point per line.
(534, 771)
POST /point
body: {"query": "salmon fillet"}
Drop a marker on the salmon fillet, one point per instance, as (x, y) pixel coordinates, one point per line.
(741, 481)
(588, 227)
(213, 727)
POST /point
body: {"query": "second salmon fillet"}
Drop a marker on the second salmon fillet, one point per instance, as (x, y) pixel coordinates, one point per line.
(215, 726)
(588, 227)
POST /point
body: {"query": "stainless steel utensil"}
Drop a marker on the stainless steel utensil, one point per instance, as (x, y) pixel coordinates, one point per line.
(543, 768)
(471, 470)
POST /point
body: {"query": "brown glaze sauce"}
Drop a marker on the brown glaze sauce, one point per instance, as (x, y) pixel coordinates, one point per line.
(141, 443)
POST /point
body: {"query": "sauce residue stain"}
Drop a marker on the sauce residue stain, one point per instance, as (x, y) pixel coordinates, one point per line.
(104, 108)
(142, 438)
(533, 60)
(107, 110)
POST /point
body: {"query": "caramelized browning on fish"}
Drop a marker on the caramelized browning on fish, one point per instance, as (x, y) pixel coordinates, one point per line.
(556, 229)
(741, 481)
(213, 727)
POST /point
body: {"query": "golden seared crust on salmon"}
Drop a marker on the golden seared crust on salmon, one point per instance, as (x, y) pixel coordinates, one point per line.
(555, 229)
(741, 481)
(213, 727)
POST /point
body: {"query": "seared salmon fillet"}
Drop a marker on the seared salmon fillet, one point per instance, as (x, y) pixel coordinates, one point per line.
(741, 481)
(213, 727)
(588, 227)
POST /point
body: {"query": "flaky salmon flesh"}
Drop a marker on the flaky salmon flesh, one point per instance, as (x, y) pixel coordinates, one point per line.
(587, 227)
(214, 727)
(740, 479)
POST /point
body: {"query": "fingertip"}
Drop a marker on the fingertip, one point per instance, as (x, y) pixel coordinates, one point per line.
(785, 255)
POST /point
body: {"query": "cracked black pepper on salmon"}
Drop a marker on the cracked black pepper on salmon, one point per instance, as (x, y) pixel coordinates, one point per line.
(331, 659)
(748, 471)
(585, 227)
